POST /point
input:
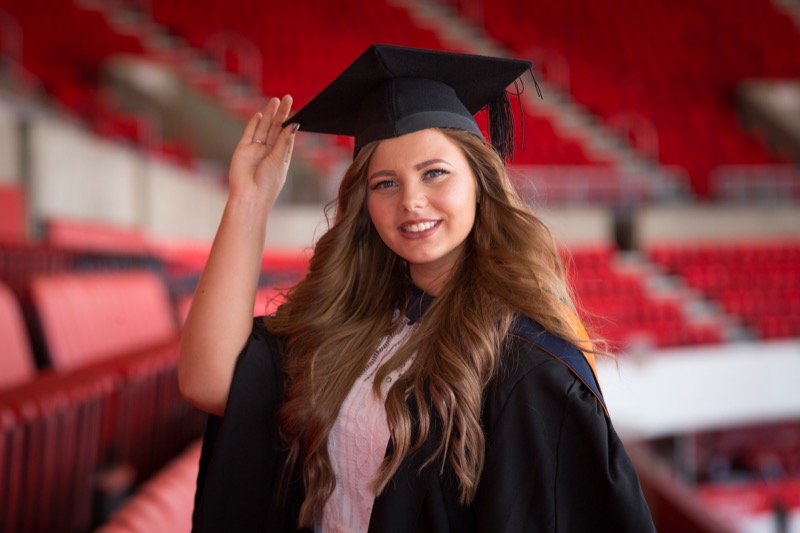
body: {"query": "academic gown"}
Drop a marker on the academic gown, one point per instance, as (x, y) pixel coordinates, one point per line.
(553, 460)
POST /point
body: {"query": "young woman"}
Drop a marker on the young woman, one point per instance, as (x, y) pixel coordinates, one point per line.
(425, 375)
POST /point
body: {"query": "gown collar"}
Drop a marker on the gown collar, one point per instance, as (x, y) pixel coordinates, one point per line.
(418, 302)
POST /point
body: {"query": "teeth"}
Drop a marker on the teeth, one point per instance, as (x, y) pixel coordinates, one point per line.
(416, 228)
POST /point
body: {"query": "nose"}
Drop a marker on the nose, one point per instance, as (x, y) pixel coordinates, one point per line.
(413, 197)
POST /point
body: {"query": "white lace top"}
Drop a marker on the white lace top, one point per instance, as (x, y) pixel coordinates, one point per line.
(357, 443)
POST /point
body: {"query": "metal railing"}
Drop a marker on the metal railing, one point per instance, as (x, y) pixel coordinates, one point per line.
(756, 183)
(611, 186)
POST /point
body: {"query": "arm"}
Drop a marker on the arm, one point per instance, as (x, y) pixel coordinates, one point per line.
(221, 316)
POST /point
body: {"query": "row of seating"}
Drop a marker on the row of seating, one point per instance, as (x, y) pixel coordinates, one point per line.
(662, 62)
(616, 304)
(762, 451)
(107, 398)
(164, 503)
(101, 393)
(750, 471)
(300, 64)
(65, 65)
(760, 290)
(754, 281)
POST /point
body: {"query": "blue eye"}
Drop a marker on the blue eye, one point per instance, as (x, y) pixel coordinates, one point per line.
(435, 173)
(384, 184)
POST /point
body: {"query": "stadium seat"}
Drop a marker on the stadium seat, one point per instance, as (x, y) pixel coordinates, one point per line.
(110, 396)
(164, 502)
(668, 66)
(754, 281)
(12, 213)
(16, 358)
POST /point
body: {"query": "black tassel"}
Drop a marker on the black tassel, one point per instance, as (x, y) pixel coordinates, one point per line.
(501, 120)
(501, 126)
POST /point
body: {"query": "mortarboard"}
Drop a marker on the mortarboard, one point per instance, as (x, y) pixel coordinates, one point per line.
(390, 91)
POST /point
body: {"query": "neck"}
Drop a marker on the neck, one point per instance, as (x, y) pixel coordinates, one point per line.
(432, 281)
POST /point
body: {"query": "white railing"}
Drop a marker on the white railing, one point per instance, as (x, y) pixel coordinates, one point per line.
(756, 183)
(600, 185)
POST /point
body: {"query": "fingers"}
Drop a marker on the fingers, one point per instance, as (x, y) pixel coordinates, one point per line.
(250, 128)
(280, 117)
(269, 126)
(267, 116)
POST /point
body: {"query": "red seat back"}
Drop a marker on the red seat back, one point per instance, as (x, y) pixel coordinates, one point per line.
(88, 318)
(16, 358)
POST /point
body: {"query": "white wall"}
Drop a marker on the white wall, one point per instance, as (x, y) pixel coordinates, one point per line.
(297, 226)
(9, 144)
(715, 223)
(579, 226)
(179, 205)
(687, 389)
(76, 175)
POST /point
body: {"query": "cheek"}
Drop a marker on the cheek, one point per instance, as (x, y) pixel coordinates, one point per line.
(377, 211)
(460, 199)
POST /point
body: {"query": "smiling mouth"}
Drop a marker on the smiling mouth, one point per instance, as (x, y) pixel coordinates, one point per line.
(420, 227)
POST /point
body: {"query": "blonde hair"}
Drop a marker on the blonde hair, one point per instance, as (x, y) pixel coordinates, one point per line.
(334, 319)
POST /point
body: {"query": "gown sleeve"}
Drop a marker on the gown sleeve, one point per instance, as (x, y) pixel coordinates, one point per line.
(553, 461)
(241, 458)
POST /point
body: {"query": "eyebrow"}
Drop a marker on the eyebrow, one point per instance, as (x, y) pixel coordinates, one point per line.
(418, 166)
(430, 162)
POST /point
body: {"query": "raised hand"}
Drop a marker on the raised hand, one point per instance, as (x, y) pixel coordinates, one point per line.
(261, 158)
(221, 316)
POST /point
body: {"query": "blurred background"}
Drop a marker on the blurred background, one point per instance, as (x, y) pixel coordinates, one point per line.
(664, 157)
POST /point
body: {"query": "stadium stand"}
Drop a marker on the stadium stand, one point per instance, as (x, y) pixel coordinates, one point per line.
(49, 436)
(630, 314)
(667, 65)
(754, 281)
(122, 325)
(109, 395)
(91, 305)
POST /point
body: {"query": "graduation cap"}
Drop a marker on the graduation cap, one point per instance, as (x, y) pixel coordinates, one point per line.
(390, 91)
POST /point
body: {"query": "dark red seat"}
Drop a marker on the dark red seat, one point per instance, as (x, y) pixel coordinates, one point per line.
(50, 428)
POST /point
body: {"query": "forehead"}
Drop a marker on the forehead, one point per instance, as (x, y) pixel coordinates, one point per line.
(410, 149)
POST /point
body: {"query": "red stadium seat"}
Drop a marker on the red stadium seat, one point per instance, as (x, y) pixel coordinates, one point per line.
(91, 318)
(16, 358)
(12, 213)
(111, 396)
(615, 73)
(164, 502)
(122, 325)
(754, 281)
(40, 417)
(51, 430)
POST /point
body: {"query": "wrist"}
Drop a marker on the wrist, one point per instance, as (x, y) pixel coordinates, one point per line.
(249, 207)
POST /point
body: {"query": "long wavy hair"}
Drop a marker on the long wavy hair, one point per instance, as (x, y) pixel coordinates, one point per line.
(334, 319)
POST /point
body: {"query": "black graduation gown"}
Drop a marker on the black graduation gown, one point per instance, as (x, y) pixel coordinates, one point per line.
(553, 460)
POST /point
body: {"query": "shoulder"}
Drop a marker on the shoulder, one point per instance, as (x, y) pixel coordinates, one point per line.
(537, 362)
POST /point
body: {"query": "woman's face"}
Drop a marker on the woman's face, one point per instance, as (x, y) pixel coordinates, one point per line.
(421, 196)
